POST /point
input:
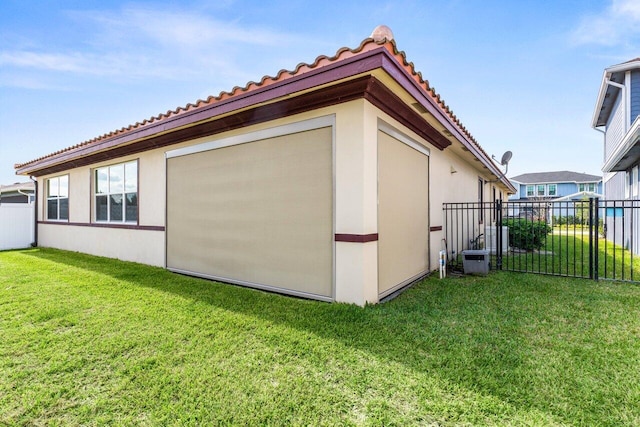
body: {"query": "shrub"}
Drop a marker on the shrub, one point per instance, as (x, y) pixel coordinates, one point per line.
(527, 235)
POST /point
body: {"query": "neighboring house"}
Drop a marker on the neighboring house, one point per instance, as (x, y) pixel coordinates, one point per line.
(616, 116)
(326, 181)
(556, 186)
(557, 189)
(20, 192)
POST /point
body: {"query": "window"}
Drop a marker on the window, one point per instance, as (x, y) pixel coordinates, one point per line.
(116, 193)
(529, 190)
(58, 198)
(552, 190)
(581, 187)
(540, 190)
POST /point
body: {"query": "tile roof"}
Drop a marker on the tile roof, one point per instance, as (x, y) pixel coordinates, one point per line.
(344, 53)
(558, 176)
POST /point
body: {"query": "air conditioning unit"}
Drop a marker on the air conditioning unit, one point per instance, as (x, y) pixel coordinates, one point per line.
(475, 261)
(491, 239)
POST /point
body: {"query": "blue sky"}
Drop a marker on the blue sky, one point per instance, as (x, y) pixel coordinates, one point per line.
(521, 75)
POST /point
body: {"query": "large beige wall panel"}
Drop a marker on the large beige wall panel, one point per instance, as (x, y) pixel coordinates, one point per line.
(258, 213)
(403, 213)
(143, 246)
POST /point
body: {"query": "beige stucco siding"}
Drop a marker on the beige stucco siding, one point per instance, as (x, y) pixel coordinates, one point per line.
(143, 246)
(355, 266)
(457, 182)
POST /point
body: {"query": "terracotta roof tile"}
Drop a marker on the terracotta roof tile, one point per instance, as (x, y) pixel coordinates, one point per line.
(321, 61)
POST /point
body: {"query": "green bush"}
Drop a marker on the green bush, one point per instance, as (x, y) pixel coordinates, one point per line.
(527, 235)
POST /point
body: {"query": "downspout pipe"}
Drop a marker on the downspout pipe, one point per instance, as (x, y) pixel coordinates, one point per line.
(604, 156)
(34, 244)
(624, 101)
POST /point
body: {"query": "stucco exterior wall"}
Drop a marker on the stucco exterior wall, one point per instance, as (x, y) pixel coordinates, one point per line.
(355, 269)
(143, 246)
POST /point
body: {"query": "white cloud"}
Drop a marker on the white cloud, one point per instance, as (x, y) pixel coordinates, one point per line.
(173, 27)
(75, 62)
(618, 24)
(135, 42)
(106, 64)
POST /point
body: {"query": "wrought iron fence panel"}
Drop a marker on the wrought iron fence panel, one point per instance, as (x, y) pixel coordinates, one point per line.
(586, 238)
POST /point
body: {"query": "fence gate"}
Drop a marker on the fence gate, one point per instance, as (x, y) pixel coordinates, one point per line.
(593, 239)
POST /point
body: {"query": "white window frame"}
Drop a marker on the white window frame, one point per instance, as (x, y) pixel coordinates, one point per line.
(555, 189)
(531, 193)
(112, 189)
(58, 197)
(544, 189)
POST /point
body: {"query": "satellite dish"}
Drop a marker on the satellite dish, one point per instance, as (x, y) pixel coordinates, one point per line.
(505, 158)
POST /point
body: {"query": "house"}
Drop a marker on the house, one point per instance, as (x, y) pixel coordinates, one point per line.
(616, 116)
(325, 181)
(556, 186)
(553, 195)
(20, 192)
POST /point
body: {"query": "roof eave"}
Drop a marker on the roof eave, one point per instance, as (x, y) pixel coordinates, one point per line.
(348, 67)
(606, 75)
(362, 62)
(599, 102)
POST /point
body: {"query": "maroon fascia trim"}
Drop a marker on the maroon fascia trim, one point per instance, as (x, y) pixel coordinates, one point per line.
(383, 98)
(201, 121)
(347, 91)
(107, 225)
(356, 238)
(436, 228)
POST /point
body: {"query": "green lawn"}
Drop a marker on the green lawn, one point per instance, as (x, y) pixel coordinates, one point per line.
(566, 252)
(93, 341)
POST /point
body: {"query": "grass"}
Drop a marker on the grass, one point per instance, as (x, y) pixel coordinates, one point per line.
(93, 341)
(566, 252)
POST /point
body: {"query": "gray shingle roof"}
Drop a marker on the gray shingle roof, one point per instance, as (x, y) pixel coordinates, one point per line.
(559, 176)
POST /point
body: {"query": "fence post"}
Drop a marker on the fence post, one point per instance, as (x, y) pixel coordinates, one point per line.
(498, 208)
(596, 220)
(591, 217)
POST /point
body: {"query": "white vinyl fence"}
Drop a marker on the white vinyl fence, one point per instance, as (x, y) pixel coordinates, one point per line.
(16, 225)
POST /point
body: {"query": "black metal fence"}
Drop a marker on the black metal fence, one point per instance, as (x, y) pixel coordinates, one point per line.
(594, 239)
